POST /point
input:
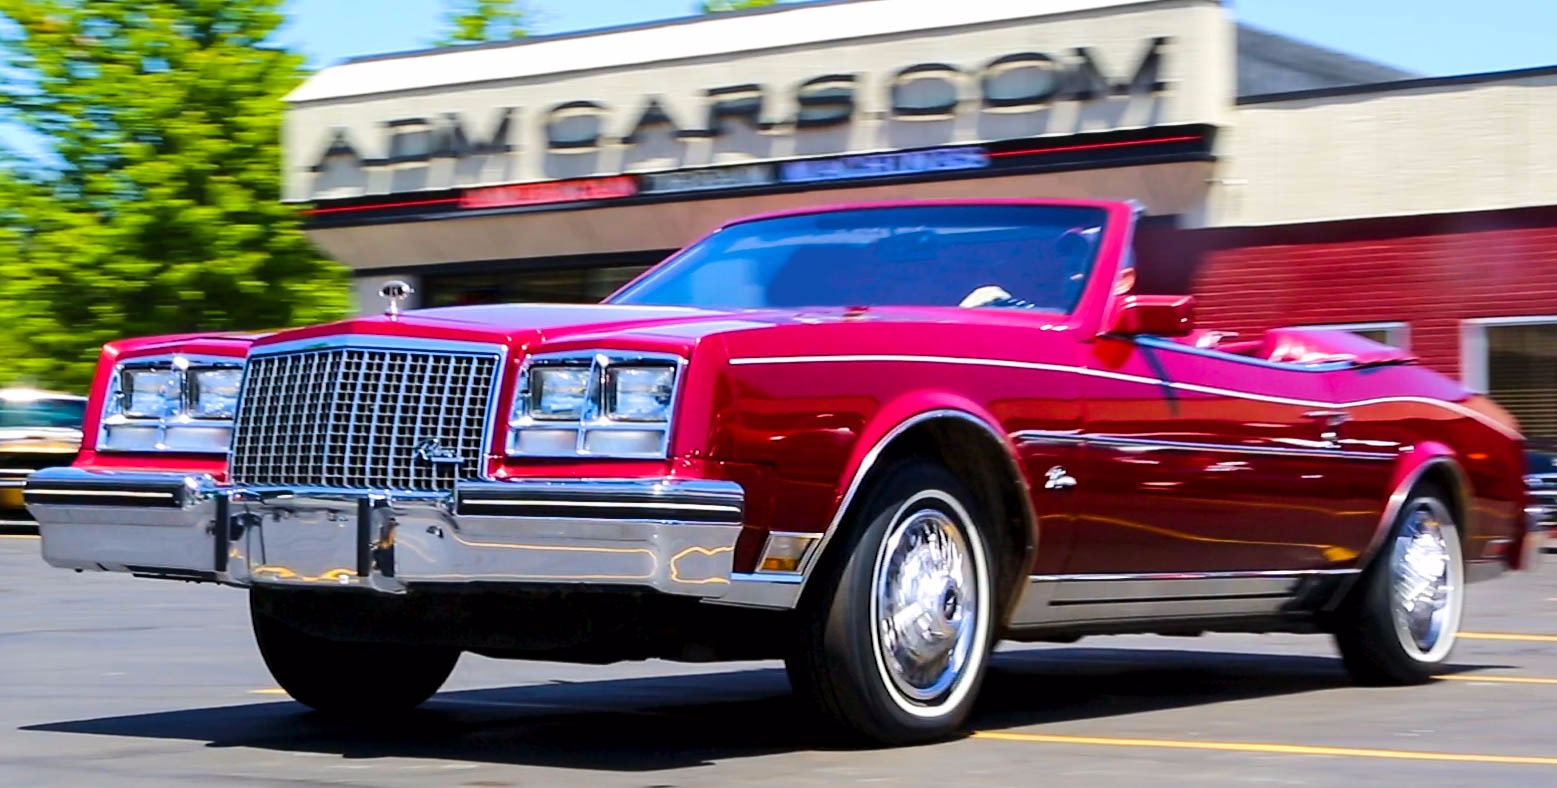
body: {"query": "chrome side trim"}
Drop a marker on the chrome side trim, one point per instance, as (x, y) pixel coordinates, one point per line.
(765, 590)
(1050, 437)
(1453, 407)
(1122, 441)
(1189, 575)
(1078, 598)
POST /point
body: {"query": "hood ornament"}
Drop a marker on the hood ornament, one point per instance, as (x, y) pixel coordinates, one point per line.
(396, 292)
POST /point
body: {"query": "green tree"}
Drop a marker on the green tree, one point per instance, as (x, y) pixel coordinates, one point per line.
(720, 6)
(140, 182)
(475, 21)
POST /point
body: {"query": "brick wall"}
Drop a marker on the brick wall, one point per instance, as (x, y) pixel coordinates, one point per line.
(1430, 272)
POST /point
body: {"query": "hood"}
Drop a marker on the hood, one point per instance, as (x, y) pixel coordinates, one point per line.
(622, 325)
(529, 324)
(230, 343)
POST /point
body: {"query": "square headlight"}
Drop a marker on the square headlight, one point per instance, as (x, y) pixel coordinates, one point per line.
(639, 393)
(558, 393)
(152, 393)
(214, 393)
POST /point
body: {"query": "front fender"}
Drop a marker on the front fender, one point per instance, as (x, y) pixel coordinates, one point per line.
(897, 417)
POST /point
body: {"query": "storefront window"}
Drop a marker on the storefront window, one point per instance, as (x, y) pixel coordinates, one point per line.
(1522, 374)
(1514, 360)
(574, 284)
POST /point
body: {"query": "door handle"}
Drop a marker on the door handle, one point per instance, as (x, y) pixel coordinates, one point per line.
(1331, 418)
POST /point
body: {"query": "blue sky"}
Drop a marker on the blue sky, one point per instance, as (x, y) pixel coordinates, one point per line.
(1435, 37)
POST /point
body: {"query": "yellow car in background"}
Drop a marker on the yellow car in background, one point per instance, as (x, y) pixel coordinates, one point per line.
(38, 429)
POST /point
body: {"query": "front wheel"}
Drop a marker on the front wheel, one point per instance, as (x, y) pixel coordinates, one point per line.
(895, 643)
(1400, 621)
(348, 678)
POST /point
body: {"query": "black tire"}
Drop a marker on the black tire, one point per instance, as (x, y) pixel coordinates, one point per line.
(1374, 634)
(353, 678)
(840, 668)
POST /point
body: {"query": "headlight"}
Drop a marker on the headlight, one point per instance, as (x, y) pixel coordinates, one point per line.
(594, 404)
(152, 393)
(558, 393)
(171, 404)
(214, 393)
(639, 393)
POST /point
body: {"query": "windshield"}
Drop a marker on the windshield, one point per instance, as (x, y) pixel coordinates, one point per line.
(42, 413)
(1028, 256)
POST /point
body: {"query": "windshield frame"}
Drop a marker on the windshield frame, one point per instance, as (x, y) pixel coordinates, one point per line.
(1114, 223)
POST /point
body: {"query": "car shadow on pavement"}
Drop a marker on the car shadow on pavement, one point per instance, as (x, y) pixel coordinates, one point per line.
(670, 722)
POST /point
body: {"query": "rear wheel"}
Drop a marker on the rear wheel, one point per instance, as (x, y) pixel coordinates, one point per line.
(896, 640)
(341, 677)
(1401, 619)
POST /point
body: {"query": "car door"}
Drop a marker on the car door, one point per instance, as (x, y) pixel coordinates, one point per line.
(1205, 462)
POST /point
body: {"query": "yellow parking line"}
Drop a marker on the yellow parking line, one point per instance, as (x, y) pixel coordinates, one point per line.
(1283, 749)
(18, 536)
(270, 691)
(1499, 679)
(1509, 636)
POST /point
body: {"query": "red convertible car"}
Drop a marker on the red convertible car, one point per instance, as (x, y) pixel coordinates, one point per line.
(869, 440)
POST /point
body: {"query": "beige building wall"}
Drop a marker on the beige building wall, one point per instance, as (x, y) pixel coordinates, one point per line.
(1450, 147)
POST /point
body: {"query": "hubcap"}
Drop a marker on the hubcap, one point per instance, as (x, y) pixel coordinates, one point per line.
(926, 604)
(1423, 578)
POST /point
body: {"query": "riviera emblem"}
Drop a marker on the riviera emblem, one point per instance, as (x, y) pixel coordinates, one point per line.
(430, 450)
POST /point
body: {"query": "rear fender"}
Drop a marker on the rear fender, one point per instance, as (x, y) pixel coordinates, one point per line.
(1425, 460)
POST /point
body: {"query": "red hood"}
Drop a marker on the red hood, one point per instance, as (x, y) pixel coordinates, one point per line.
(519, 325)
(230, 343)
(627, 326)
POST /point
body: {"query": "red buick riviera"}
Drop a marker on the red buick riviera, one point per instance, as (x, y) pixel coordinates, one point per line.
(870, 440)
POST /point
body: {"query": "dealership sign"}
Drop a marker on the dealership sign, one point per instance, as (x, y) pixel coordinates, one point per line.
(598, 136)
(1118, 148)
(1011, 83)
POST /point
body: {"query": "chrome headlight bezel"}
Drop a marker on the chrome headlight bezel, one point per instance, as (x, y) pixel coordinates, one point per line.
(179, 427)
(598, 430)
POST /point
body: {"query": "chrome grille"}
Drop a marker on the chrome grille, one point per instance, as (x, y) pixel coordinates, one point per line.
(355, 418)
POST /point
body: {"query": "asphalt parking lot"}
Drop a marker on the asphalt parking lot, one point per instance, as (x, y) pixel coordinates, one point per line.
(111, 680)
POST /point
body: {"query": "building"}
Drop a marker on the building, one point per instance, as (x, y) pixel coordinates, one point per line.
(1286, 184)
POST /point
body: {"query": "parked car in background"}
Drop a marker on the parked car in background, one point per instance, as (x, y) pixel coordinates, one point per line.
(38, 429)
(871, 441)
(1541, 478)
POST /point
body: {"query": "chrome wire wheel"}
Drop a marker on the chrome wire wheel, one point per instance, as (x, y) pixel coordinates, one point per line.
(929, 604)
(1427, 584)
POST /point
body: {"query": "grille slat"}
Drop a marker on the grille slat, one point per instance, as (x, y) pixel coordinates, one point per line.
(352, 418)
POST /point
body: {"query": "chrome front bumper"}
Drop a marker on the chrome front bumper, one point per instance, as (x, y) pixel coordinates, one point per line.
(672, 536)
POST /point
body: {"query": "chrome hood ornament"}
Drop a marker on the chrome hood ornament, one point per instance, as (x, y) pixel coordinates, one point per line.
(395, 292)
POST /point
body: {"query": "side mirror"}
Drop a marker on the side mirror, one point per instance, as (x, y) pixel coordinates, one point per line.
(1167, 316)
